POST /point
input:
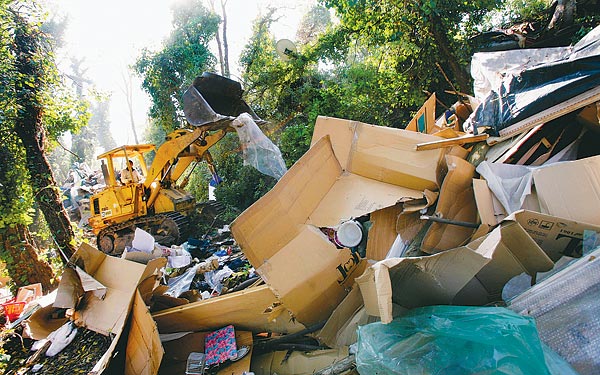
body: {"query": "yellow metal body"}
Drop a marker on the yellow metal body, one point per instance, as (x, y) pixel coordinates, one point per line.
(158, 191)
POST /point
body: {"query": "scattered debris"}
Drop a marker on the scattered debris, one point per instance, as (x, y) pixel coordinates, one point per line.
(377, 231)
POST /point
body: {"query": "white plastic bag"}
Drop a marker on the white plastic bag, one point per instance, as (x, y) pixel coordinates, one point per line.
(258, 150)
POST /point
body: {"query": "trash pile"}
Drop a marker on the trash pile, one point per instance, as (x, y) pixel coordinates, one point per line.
(77, 189)
(462, 244)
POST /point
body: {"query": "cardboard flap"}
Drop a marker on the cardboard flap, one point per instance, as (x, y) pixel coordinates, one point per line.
(144, 350)
(381, 153)
(69, 290)
(389, 155)
(89, 284)
(353, 196)
(513, 252)
(570, 189)
(341, 133)
(457, 202)
(246, 309)
(419, 281)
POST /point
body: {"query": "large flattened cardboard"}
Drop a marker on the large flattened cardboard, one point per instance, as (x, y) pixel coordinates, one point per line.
(475, 272)
(382, 154)
(248, 309)
(570, 189)
(280, 236)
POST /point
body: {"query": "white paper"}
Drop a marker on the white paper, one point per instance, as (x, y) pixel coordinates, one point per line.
(143, 241)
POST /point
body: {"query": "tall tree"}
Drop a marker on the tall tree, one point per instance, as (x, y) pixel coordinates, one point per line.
(184, 55)
(127, 90)
(35, 110)
(313, 24)
(424, 32)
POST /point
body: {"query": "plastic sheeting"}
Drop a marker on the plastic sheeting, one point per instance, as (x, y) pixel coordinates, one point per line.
(509, 183)
(565, 307)
(258, 150)
(456, 340)
(522, 93)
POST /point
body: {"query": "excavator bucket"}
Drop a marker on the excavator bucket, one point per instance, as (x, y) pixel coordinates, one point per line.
(213, 99)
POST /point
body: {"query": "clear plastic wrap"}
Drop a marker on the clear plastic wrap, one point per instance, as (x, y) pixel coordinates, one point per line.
(565, 307)
(258, 150)
(455, 340)
(182, 283)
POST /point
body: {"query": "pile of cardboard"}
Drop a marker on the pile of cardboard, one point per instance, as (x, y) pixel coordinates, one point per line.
(447, 217)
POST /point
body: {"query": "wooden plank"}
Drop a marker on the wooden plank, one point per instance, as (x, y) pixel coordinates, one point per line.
(469, 138)
(245, 309)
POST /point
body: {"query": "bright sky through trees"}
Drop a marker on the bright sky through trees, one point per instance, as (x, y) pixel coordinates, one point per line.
(109, 35)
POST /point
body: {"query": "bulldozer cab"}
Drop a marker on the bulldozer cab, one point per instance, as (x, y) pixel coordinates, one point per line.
(116, 162)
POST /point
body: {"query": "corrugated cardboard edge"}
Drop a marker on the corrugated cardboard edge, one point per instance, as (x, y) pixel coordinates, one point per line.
(248, 310)
(144, 351)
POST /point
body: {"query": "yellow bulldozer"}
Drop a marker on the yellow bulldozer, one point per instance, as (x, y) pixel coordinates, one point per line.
(151, 198)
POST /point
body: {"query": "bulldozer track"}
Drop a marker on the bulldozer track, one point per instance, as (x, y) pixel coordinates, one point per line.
(156, 225)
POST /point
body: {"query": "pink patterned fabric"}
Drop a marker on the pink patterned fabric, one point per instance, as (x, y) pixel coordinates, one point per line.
(220, 346)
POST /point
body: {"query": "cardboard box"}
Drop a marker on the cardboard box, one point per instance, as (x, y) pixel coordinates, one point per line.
(570, 189)
(556, 236)
(108, 315)
(471, 274)
(280, 233)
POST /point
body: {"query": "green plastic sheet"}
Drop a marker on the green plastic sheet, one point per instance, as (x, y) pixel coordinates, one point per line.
(456, 340)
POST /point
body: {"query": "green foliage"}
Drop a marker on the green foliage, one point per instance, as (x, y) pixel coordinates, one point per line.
(168, 72)
(242, 184)
(61, 111)
(513, 11)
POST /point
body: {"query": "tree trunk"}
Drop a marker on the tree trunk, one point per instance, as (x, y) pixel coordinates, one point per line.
(563, 14)
(128, 91)
(225, 45)
(22, 261)
(30, 130)
(460, 74)
(218, 37)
